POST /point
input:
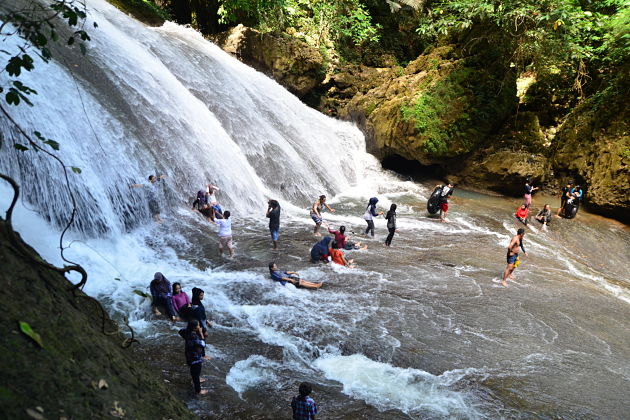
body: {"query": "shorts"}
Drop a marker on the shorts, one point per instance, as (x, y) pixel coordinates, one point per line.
(225, 241)
(154, 208)
(274, 234)
(511, 259)
(444, 207)
(316, 218)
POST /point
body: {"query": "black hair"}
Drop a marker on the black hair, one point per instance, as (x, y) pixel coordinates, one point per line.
(392, 211)
(196, 292)
(271, 264)
(273, 204)
(192, 325)
(342, 229)
(520, 231)
(322, 197)
(335, 245)
(226, 214)
(176, 284)
(151, 177)
(304, 390)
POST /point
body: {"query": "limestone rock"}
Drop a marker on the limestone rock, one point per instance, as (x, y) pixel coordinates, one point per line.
(291, 62)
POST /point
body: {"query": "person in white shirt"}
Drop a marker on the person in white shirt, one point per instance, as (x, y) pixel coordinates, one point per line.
(225, 233)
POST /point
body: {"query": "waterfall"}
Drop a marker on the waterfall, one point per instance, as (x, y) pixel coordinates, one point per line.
(165, 101)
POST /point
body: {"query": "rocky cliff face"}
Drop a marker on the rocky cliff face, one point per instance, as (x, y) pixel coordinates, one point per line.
(291, 62)
(593, 145)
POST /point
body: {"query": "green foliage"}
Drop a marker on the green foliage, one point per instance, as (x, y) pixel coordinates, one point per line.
(318, 21)
(28, 331)
(547, 36)
(436, 110)
(37, 28)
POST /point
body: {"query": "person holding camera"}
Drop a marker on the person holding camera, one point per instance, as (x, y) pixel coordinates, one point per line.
(273, 213)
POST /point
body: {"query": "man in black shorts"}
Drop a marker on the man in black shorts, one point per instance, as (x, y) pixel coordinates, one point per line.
(512, 255)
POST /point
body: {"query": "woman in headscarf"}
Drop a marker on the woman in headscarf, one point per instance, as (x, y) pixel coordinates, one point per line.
(320, 250)
(161, 292)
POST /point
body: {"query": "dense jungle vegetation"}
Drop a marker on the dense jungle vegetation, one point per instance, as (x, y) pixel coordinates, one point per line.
(571, 45)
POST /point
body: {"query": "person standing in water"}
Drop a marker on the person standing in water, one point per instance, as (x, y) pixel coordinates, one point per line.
(316, 213)
(512, 255)
(391, 224)
(195, 351)
(225, 233)
(152, 196)
(447, 191)
(303, 406)
(564, 196)
(370, 214)
(529, 189)
(273, 213)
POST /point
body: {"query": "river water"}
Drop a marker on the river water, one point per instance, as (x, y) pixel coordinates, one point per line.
(419, 330)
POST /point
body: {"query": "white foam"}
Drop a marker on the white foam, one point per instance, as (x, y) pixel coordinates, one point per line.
(409, 390)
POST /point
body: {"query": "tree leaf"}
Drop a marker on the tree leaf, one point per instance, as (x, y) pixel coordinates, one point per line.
(141, 293)
(26, 329)
(75, 169)
(117, 278)
(52, 144)
(20, 147)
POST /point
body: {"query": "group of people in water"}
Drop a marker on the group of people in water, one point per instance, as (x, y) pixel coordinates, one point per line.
(570, 198)
(330, 249)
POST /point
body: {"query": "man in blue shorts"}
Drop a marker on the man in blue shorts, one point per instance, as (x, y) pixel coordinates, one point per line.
(512, 255)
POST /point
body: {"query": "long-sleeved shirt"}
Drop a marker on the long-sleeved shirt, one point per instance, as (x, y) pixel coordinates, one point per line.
(339, 237)
(180, 300)
(195, 347)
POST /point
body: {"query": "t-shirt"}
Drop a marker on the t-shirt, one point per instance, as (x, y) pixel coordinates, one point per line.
(225, 227)
(278, 275)
(180, 300)
(152, 191)
(391, 220)
(274, 218)
(303, 409)
(528, 189)
(522, 213)
(336, 255)
(339, 238)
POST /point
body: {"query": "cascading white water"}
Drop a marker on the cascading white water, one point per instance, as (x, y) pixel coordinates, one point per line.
(163, 100)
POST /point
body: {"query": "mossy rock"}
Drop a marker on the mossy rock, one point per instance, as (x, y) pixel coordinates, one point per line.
(437, 107)
(63, 376)
(593, 147)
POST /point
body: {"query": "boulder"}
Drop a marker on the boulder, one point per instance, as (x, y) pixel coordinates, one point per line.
(291, 62)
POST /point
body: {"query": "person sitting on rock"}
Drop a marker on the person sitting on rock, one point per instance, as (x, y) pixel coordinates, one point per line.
(161, 292)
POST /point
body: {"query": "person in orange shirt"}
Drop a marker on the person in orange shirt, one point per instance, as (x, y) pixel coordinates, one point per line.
(338, 257)
(522, 214)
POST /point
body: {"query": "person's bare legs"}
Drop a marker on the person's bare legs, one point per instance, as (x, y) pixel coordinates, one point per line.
(507, 273)
(316, 229)
(157, 218)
